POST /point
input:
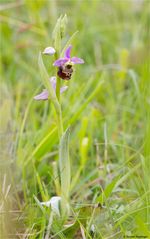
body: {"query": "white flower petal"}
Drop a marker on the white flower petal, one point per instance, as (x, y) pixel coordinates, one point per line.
(49, 51)
(54, 203)
(42, 96)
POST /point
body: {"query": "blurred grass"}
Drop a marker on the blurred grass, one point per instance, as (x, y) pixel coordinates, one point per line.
(113, 118)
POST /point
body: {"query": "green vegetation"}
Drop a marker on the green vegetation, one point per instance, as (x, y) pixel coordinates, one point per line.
(107, 106)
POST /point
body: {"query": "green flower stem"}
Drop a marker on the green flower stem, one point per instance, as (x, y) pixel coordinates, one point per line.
(64, 163)
(58, 83)
(61, 130)
(59, 111)
(59, 120)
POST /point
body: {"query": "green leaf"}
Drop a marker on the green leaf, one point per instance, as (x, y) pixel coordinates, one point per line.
(56, 36)
(45, 78)
(108, 190)
(68, 43)
(39, 204)
(43, 146)
(63, 25)
(143, 227)
(87, 101)
(59, 32)
(64, 165)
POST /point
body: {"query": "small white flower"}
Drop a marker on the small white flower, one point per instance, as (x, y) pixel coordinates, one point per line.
(54, 203)
(49, 51)
(93, 228)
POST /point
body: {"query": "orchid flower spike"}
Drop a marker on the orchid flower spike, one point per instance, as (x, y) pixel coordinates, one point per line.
(44, 94)
(49, 51)
(67, 59)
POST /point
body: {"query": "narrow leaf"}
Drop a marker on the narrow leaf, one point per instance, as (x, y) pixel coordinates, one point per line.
(108, 190)
(64, 164)
(86, 102)
(45, 78)
(64, 22)
(56, 35)
(68, 43)
(39, 204)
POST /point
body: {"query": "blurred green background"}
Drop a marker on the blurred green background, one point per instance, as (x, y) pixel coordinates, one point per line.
(110, 132)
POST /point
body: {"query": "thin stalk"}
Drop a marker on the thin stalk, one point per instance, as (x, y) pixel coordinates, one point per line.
(60, 123)
(47, 236)
(59, 120)
(63, 152)
(58, 82)
(59, 111)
